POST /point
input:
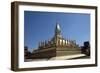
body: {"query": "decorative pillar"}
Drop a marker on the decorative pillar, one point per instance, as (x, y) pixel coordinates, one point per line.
(45, 43)
(58, 42)
(68, 42)
(64, 42)
(39, 44)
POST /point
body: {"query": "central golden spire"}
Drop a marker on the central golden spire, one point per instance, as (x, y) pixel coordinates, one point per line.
(57, 30)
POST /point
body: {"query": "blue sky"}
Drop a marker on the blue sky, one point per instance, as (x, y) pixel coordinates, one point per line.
(40, 26)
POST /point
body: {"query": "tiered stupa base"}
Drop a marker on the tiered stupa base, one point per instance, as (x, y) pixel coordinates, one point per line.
(56, 52)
